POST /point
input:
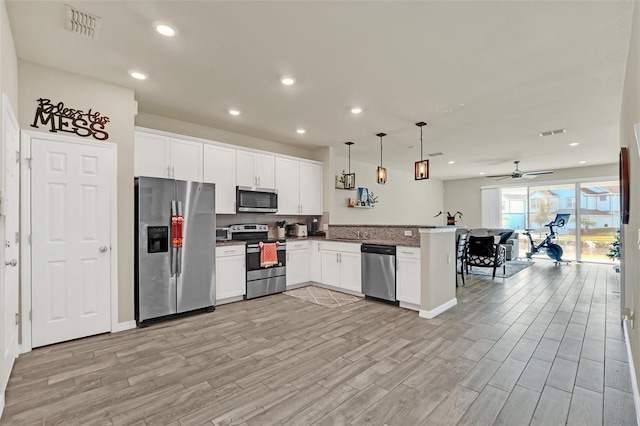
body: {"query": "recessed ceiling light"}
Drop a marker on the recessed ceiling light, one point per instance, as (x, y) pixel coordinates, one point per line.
(574, 144)
(287, 81)
(138, 75)
(301, 131)
(481, 173)
(356, 110)
(165, 29)
(581, 162)
(234, 111)
(451, 162)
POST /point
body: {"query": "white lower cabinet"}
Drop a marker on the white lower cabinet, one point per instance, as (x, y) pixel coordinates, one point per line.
(297, 262)
(408, 275)
(230, 272)
(341, 265)
(315, 261)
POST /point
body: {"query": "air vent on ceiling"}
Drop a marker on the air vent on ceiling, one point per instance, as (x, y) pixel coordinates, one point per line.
(82, 23)
(435, 154)
(552, 132)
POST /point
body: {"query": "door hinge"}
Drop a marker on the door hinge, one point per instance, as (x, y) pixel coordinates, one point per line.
(28, 160)
(30, 315)
(17, 318)
(29, 239)
(17, 156)
(17, 237)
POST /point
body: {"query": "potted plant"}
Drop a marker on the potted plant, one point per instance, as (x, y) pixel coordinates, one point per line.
(373, 199)
(614, 251)
(451, 218)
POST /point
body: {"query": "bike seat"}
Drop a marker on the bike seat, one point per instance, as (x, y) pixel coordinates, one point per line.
(529, 229)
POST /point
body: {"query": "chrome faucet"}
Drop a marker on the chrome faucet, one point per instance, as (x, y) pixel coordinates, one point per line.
(356, 233)
(365, 235)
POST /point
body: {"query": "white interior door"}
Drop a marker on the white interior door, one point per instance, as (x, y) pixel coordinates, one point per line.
(70, 230)
(10, 220)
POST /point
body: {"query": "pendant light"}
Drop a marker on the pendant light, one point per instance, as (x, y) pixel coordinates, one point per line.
(349, 178)
(382, 172)
(421, 168)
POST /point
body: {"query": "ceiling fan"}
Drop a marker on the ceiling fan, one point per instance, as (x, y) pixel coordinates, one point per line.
(518, 174)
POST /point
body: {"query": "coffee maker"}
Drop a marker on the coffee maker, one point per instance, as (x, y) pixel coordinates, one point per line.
(313, 228)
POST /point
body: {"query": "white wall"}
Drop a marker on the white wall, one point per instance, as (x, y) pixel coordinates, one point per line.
(630, 115)
(401, 201)
(37, 81)
(465, 195)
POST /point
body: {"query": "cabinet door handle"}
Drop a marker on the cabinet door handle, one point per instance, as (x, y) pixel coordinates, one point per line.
(169, 171)
(173, 171)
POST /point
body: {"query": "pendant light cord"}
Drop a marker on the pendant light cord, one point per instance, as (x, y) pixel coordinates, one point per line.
(421, 156)
(380, 151)
(349, 159)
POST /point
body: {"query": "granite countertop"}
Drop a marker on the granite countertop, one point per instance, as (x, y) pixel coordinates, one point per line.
(230, 243)
(392, 242)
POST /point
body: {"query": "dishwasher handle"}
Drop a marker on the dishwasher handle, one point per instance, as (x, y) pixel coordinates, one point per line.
(378, 249)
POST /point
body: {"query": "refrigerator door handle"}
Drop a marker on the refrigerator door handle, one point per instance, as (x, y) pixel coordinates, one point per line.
(179, 249)
(174, 249)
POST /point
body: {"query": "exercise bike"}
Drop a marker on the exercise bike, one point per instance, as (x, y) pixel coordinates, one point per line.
(553, 250)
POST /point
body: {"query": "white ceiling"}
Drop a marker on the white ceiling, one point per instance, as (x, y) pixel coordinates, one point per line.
(486, 76)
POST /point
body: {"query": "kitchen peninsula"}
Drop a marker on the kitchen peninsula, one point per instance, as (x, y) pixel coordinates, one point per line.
(426, 261)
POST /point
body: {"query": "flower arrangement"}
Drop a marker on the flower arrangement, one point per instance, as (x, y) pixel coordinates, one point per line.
(373, 198)
(451, 218)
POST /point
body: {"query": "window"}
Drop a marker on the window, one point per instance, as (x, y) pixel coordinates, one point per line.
(571, 202)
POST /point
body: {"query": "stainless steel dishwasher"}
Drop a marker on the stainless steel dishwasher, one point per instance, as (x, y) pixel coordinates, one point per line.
(379, 272)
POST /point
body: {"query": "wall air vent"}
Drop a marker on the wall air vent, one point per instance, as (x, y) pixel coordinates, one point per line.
(435, 154)
(553, 132)
(82, 23)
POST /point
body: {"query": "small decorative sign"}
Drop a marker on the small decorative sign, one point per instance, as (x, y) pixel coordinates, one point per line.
(62, 119)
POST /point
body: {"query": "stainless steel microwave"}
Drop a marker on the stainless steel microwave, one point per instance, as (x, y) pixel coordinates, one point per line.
(223, 234)
(256, 200)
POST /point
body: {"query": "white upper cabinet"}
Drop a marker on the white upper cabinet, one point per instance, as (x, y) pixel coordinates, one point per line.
(310, 188)
(255, 169)
(152, 155)
(220, 168)
(299, 186)
(186, 159)
(288, 186)
(167, 157)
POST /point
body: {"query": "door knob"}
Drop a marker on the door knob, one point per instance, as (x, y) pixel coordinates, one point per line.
(103, 249)
(12, 262)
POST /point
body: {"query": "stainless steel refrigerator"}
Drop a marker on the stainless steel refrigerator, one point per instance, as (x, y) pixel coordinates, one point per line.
(175, 248)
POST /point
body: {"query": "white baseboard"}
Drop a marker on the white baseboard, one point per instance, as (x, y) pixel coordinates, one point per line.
(229, 300)
(632, 368)
(122, 326)
(410, 306)
(439, 309)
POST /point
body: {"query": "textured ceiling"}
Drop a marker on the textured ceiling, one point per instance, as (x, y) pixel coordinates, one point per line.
(488, 77)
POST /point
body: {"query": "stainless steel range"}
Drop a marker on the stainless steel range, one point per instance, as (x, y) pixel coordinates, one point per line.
(261, 280)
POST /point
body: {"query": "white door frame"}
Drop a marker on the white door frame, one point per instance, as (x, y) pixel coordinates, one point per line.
(25, 231)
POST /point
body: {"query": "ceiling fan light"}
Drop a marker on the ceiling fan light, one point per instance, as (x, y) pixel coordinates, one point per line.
(421, 170)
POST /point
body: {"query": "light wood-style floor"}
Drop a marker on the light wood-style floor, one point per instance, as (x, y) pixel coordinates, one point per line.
(543, 347)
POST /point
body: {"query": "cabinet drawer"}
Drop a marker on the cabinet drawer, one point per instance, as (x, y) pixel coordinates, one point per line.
(297, 245)
(234, 250)
(344, 247)
(411, 252)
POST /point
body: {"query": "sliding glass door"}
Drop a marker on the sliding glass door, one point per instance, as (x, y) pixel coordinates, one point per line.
(545, 202)
(595, 216)
(599, 219)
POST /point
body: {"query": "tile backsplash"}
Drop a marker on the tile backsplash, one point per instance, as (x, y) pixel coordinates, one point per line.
(223, 220)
